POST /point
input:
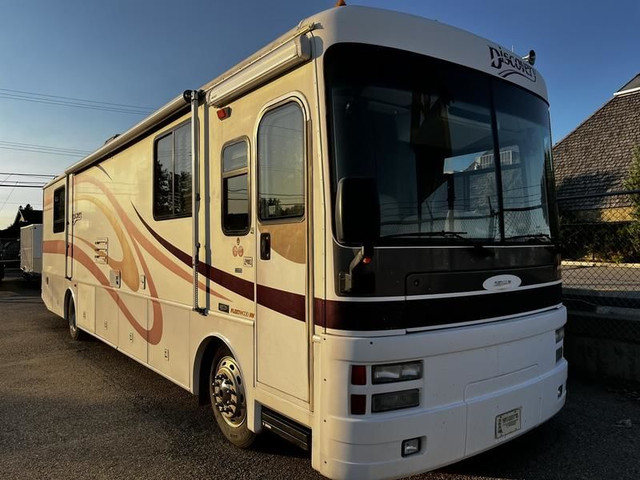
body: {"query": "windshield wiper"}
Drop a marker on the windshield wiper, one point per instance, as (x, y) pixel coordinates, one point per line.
(477, 246)
(441, 233)
(531, 236)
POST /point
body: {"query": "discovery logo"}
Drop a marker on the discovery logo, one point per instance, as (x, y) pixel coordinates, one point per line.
(509, 64)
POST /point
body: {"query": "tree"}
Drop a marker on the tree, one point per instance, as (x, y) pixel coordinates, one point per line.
(633, 183)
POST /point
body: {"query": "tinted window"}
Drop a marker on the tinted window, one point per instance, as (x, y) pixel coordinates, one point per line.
(58, 210)
(172, 174)
(235, 189)
(281, 163)
(430, 143)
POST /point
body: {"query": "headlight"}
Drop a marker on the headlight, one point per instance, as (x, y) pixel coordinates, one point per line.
(396, 372)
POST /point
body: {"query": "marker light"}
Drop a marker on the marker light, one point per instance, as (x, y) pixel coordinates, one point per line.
(224, 113)
(396, 372)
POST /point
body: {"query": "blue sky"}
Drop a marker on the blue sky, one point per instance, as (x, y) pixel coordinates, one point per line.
(144, 53)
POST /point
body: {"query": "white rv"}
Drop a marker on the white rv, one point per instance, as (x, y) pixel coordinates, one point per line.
(31, 250)
(322, 243)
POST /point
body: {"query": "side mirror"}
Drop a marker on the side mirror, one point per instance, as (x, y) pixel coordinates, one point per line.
(357, 211)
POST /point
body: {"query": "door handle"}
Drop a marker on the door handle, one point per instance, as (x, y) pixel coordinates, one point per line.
(265, 246)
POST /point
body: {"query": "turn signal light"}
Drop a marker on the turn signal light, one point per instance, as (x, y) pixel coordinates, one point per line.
(358, 404)
(358, 375)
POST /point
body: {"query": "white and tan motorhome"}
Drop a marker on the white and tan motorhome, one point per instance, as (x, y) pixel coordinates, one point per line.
(322, 243)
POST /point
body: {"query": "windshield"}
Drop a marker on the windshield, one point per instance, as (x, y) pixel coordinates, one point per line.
(429, 133)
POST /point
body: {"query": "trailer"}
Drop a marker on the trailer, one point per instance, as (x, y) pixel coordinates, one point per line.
(31, 251)
(348, 239)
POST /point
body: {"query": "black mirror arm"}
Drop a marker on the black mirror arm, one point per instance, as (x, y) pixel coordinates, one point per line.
(364, 255)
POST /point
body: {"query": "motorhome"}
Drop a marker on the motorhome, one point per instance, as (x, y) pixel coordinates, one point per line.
(31, 251)
(347, 239)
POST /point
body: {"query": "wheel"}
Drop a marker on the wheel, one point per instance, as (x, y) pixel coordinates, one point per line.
(228, 401)
(74, 331)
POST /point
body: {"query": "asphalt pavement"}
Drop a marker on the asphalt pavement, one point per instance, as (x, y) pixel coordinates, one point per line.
(83, 410)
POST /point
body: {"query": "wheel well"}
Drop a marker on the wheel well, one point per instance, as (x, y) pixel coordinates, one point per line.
(206, 351)
(68, 298)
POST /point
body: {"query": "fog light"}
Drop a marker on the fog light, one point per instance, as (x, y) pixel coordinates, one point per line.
(383, 402)
(411, 446)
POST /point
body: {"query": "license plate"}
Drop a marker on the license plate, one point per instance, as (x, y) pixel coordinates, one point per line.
(508, 422)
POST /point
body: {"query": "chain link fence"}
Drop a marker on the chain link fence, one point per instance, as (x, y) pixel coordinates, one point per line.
(600, 246)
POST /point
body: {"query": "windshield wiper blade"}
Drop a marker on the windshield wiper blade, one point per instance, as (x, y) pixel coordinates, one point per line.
(441, 233)
(478, 247)
(531, 236)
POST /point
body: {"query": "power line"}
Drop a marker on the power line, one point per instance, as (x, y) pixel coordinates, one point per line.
(76, 99)
(47, 175)
(46, 149)
(19, 183)
(34, 97)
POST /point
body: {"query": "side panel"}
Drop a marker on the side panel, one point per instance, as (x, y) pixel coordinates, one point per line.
(132, 326)
(106, 316)
(86, 308)
(170, 355)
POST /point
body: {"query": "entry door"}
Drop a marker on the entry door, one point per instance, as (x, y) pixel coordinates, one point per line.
(281, 292)
(69, 228)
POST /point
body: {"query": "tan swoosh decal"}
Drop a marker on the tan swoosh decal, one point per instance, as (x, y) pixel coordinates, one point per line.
(142, 240)
(154, 334)
(127, 265)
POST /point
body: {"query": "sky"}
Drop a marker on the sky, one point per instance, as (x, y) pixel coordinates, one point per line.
(144, 53)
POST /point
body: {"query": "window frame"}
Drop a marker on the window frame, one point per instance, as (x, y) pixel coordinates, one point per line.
(157, 138)
(296, 99)
(55, 222)
(225, 175)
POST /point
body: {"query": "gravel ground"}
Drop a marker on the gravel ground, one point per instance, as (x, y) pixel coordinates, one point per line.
(83, 410)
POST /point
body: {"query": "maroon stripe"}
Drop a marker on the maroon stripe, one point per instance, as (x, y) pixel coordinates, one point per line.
(228, 281)
(363, 316)
(286, 303)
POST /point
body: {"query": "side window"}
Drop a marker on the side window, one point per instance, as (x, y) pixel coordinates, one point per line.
(281, 163)
(58, 210)
(235, 189)
(172, 174)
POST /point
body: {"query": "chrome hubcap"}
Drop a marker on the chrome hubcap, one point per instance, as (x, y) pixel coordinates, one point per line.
(228, 392)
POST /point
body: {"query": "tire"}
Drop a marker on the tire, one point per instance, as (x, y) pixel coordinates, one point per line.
(74, 331)
(228, 400)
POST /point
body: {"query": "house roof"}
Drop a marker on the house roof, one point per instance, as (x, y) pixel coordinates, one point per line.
(595, 157)
(630, 87)
(28, 216)
(25, 216)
